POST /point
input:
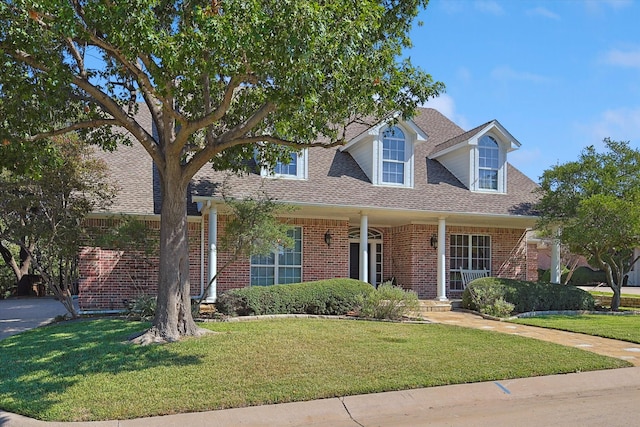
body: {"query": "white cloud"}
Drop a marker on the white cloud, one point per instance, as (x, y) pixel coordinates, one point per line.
(507, 73)
(595, 6)
(628, 58)
(622, 124)
(446, 105)
(489, 6)
(543, 12)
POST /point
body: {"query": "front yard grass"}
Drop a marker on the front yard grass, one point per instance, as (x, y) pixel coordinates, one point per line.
(77, 371)
(619, 327)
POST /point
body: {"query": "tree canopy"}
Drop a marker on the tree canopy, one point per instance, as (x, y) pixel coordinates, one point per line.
(594, 204)
(224, 80)
(43, 215)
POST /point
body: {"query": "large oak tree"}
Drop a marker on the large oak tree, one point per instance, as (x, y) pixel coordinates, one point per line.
(222, 80)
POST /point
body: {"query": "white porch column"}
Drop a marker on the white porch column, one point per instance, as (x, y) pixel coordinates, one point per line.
(213, 253)
(442, 261)
(556, 268)
(364, 252)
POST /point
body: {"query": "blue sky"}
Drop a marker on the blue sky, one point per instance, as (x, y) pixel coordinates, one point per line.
(559, 75)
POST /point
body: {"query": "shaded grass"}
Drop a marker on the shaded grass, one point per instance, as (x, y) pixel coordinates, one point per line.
(79, 371)
(610, 293)
(619, 327)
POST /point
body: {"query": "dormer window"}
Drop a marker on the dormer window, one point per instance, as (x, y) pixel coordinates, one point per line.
(296, 168)
(385, 152)
(289, 169)
(488, 163)
(393, 156)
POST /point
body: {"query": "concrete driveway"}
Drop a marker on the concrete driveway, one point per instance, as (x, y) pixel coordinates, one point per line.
(21, 314)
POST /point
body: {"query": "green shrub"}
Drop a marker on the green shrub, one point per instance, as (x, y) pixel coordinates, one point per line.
(525, 296)
(142, 308)
(580, 277)
(331, 297)
(389, 302)
(487, 298)
(585, 276)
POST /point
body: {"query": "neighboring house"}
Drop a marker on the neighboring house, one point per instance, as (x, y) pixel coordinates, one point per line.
(415, 202)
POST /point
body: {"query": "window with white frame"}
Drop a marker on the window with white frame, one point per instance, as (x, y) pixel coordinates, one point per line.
(488, 163)
(290, 168)
(394, 157)
(469, 252)
(281, 267)
(296, 168)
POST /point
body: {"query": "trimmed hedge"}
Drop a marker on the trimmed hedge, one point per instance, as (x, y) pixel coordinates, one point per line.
(528, 296)
(330, 297)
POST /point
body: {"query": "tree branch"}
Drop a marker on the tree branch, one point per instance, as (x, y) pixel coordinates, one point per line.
(92, 124)
(78, 58)
(8, 258)
(210, 116)
(105, 101)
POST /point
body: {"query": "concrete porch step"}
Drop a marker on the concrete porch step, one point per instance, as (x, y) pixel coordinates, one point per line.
(429, 306)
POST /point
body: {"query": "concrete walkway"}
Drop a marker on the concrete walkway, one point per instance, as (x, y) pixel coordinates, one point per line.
(21, 314)
(522, 402)
(605, 346)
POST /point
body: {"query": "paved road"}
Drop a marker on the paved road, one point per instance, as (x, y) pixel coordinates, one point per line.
(21, 314)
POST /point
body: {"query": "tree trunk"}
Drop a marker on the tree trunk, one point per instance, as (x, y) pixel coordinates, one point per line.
(615, 299)
(25, 261)
(173, 317)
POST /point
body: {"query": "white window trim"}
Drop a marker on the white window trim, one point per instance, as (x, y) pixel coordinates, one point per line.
(502, 169)
(409, 143)
(302, 168)
(469, 255)
(276, 264)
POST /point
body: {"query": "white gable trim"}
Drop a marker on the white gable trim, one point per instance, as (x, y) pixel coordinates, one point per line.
(505, 138)
(374, 131)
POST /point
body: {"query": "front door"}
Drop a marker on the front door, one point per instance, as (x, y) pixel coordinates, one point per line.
(374, 248)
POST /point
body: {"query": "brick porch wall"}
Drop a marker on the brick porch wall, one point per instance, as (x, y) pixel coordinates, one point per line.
(413, 260)
(318, 260)
(108, 277)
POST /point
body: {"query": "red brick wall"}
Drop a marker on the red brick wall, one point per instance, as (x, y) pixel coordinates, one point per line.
(110, 276)
(318, 260)
(532, 262)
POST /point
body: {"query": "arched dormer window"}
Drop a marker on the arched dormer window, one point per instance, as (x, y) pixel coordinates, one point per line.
(394, 156)
(488, 163)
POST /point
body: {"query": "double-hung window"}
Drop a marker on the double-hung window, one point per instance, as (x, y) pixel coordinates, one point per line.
(469, 252)
(393, 156)
(288, 169)
(295, 167)
(488, 163)
(279, 267)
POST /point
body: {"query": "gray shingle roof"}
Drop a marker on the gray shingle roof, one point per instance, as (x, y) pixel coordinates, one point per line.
(335, 178)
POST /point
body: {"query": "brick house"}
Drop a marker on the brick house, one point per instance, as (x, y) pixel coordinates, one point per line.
(414, 201)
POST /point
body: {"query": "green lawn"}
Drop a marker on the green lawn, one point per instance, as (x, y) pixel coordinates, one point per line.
(625, 328)
(78, 371)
